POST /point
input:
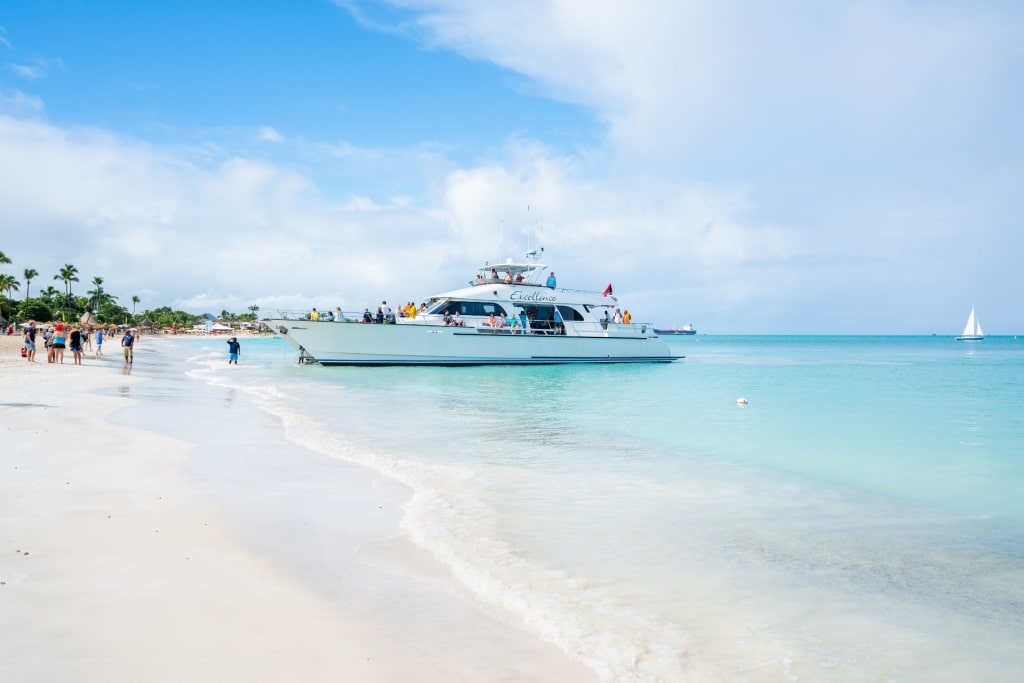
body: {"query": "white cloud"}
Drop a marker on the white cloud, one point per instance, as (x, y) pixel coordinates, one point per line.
(269, 134)
(18, 103)
(803, 168)
(40, 68)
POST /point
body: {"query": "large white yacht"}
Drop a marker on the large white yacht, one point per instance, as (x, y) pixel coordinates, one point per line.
(510, 314)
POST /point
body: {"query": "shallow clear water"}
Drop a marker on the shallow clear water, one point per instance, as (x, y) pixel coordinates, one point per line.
(861, 518)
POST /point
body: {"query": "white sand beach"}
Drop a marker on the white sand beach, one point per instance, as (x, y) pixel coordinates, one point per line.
(119, 563)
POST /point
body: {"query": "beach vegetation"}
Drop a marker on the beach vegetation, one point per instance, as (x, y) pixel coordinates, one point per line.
(99, 299)
(53, 304)
(30, 275)
(49, 295)
(110, 312)
(8, 284)
(34, 308)
(165, 317)
(67, 274)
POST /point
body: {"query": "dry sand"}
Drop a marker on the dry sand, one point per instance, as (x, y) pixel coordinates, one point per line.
(114, 566)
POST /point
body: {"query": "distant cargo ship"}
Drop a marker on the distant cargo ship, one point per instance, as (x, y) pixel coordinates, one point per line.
(685, 329)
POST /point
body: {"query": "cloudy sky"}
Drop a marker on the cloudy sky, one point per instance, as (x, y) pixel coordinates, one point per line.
(777, 167)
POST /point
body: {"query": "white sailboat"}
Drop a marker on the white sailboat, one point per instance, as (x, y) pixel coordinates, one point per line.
(973, 331)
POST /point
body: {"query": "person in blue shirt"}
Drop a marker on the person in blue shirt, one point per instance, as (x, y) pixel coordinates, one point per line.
(127, 343)
(551, 280)
(234, 348)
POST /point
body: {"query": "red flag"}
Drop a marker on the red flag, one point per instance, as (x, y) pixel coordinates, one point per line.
(608, 290)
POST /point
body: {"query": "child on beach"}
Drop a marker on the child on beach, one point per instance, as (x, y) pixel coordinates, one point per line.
(234, 348)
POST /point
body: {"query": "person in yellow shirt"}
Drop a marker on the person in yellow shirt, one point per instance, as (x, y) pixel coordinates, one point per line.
(626, 317)
(315, 315)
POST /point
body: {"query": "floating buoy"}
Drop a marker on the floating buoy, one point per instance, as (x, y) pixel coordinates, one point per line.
(741, 401)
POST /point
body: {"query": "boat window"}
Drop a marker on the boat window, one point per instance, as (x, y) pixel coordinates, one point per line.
(570, 314)
(464, 308)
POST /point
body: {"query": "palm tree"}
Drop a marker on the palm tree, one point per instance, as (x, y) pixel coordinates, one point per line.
(30, 274)
(8, 284)
(3, 258)
(49, 294)
(68, 274)
(96, 294)
(135, 300)
(255, 310)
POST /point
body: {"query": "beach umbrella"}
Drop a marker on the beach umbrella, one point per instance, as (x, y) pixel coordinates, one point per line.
(88, 318)
(147, 323)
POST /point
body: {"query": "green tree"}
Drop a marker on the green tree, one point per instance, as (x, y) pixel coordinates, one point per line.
(68, 274)
(49, 295)
(34, 309)
(30, 275)
(9, 284)
(135, 300)
(110, 312)
(165, 317)
(3, 258)
(98, 297)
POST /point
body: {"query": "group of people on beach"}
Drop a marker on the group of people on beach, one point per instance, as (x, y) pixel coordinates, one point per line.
(75, 338)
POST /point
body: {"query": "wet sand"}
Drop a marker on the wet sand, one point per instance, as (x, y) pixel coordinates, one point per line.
(118, 563)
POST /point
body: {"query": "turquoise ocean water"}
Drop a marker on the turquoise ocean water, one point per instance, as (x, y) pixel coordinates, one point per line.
(861, 518)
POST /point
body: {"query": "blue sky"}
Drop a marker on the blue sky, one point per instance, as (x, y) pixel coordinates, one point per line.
(848, 167)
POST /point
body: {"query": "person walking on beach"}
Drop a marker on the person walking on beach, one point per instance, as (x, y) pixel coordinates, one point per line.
(234, 348)
(99, 342)
(127, 341)
(30, 342)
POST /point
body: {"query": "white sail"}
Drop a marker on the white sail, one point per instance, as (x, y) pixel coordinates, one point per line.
(973, 328)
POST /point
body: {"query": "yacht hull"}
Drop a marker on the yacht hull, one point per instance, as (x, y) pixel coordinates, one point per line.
(348, 343)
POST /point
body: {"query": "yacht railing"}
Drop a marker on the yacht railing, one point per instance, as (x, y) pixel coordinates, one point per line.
(578, 328)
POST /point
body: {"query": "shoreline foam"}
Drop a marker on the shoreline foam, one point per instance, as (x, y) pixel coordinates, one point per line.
(127, 554)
